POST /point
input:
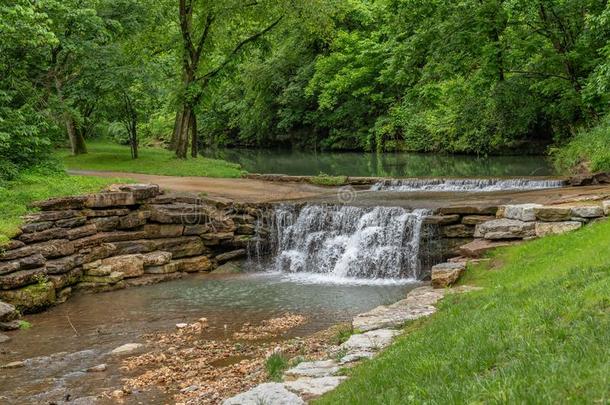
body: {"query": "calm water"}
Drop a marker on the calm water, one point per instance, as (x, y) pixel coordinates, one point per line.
(382, 164)
(56, 356)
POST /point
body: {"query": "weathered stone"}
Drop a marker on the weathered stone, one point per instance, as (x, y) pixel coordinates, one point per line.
(446, 274)
(521, 212)
(32, 298)
(371, 341)
(63, 295)
(129, 265)
(10, 325)
(553, 214)
(228, 268)
(113, 212)
(469, 210)
(242, 241)
(218, 202)
(10, 245)
(53, 233)
(606, 207)
(194, 264)
(21, 278)
(63, 265)
(61, 203)
(312, 369)
(30, 262)
(457, 231)
(476, 219)
(191, 230)
(441, 219)
(61, 281)
(112, 278)
(55, 248)
(479, 247)
(36, 227)
(240, 219)
(589, 211)
(71, 222)
(81, 232)
(105, 224)
(162, 269)
(139, 191)
(157, 258)
(105, 200)
(95, 253)
(354, 356)
(556, 228)
(155, 231)
(134, 246)
(134, 219)
(13, 364)
(178, 213)
(181, 247)
(97, 369)
(8, 312)
(9, 267)
(505, 229)
(213, 239)
(16, 253)
(99, 271)
(4, 338)
(92, 265)
(44, 216)
(100, 287)
(148, 279)
(108, 237)
(127, 348)
(267, 394)
(314, 387)
(245, 229)
(235, 254)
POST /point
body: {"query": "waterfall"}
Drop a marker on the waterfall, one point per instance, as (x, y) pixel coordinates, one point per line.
(347, 242)
(470, 185)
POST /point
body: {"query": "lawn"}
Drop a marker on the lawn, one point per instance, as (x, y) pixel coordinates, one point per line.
(107, 156)
(538, 332)
(39, 184)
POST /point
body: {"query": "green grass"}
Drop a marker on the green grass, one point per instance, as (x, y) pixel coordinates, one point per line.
(323, 179)
(589, 148)
(107, 156)
(275, 365)
(39, 184)
(538, 332)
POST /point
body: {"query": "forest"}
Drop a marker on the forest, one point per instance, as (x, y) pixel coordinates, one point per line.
(466, 76)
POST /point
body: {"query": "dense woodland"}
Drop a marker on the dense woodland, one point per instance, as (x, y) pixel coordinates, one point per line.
(464, 76)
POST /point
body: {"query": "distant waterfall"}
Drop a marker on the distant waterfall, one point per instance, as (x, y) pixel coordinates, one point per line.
(472, 185)
(343, 241)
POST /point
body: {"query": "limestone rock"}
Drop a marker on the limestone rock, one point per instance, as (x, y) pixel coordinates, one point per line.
(44, 216)
(233, 267)
(9, 267)
(442, 219)
(7, 312)
(32, 298)
(105, 200)
(235, 254)
(61, 203)
(21, 278)
(158, 258)
(213, 239)
(192, 230)
(134, 219)
(128, 265)
(53, 233)
(162, 269)
(154, 231)
(521, 212)
(469, 210)
(105, 224)
(181, 247)
(10, 325)
(355, 356)
(457, 231)
(445, 274)
(127, 348)
(148, 279)
(63, 295)
(61, 281)
(4, 338)
(97, 369)
(92, 265)
(54, 248)
(82, 231)
(245, 229)
(16, 253)
(553, 214)
(505, 229)
(312, 369)
(268, 394)
(71, 222)
(589, 211)
(314, 387)
(112, 278)
(102, 270)
(112, 212)
(476, 219)
(371, 341)
(556, 228)
(14, 364)
(134, 246)
(194, 264)
(142, 191)
(63, 265)
(606, 207)
(36, 227)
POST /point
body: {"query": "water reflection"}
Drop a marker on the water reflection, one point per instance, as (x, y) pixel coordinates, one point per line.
(381, 164)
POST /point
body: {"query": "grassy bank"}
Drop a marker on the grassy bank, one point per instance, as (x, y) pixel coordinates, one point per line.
(537, 333)
(107, 156)
(39, 184)
(589, 148)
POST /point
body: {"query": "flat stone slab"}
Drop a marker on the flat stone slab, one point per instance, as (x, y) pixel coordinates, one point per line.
(268, 394)
(371, 341)
(127, 348)
(419, 303)
(314, 387)
(312, 369)
(356, 356)
(445, 274)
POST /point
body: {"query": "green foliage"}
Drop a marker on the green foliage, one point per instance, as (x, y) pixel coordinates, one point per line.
(112, 157)
(24, 325)
(543, 312)
(324, 179)
(589, 149)
(275, 365)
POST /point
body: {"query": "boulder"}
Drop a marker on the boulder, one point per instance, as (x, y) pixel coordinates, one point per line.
(61, 203)
(477, 219)
(32, 298)
(8, 312)
(588, 211)
(556, 228)
(235, 254)
(11, 325)
(521, 212)
(553, 214)
(157, 258)
(446, 274)
(128, 265)
(267, 394)
(105, 200)
(505, 229)
(154, 231)
(100, 287)
(21, 278)
(194, 264)
(233, 267)
(457, 231)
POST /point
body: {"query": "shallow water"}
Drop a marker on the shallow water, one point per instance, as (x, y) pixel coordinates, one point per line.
(310, 163)
(79, 333)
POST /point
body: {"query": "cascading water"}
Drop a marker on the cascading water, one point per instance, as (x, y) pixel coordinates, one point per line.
(466, 185)
(348, 242)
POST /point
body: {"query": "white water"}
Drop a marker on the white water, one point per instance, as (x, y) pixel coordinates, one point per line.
(466, 185)
(342, 242)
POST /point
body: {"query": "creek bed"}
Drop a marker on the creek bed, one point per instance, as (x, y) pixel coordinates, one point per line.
(67, 339)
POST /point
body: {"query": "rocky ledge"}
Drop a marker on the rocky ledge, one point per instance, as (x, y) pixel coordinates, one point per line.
(127, 235)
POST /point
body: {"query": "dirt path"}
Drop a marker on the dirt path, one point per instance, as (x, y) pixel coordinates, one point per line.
(246, 190)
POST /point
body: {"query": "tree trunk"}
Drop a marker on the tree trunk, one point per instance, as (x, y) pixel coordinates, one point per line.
(182, 133)
(77, 141)
(194, 136)
(177, 128)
